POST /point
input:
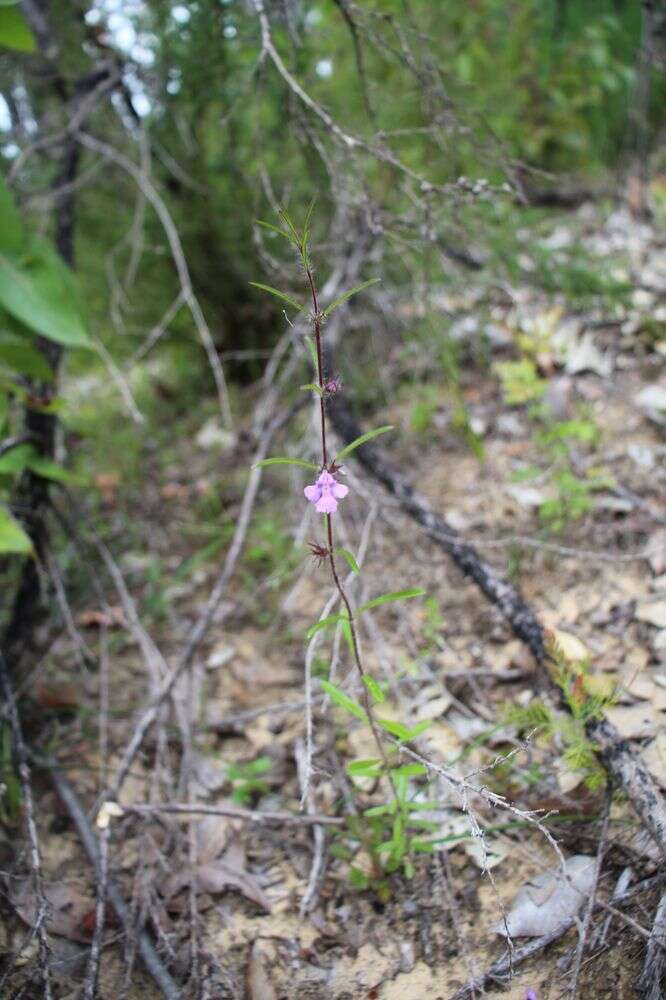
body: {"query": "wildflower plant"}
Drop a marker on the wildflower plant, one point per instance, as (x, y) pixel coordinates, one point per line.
(389, 833)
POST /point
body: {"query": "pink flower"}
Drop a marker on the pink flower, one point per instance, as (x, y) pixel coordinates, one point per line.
(325, 493)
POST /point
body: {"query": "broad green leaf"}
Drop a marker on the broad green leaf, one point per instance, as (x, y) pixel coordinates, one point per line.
(40, 291)
(374, 689)
(351, 562)
(17, 459)
(311, 387)
(323, 623)
(344, 701)
(347, 295)
(286, 461)
(12, 237)
(397, 595)
(278, 295)
(361, 440)
(12, 536)
(48, 469)
(22, 357)
(14, 32)
(369, 768)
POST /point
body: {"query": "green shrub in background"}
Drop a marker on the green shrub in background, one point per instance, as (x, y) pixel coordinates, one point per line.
(38, 298)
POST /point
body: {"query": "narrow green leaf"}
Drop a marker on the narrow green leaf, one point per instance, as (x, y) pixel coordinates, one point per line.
(322, 623)
(313, 354)
(384, 810)
(374, 689)
(423, 847)
(351, 562)
(410, 770)
(305, 239)
(397, 595)
(369, 768)
(286, 219)
(420, 728)
(12, 536)
(274, 229)
(4, 409)
(344, 701)
(345, 625)
(395, 728)
(311, 387)
(347, 295)
(361, 440)
(278, 295)
(286, 461)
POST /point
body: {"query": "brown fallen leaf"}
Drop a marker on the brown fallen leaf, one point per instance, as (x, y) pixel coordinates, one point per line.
(69, 914)
(59, 695)
(218, 876)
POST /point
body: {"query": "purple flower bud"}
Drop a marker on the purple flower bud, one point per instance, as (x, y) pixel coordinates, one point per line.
(531, 995)
(325, 493)
(332, 385)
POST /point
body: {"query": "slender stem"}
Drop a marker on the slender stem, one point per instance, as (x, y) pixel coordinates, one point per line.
(316, 321)
(367, 701)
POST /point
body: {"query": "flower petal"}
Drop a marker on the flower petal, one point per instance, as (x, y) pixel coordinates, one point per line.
(339, 490)
(312, 493)
(327, 504)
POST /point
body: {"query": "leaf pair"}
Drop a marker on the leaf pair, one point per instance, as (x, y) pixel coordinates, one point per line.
(286, 460)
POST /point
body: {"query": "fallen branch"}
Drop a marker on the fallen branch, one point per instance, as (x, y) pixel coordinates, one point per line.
(235, 812)
(621, 761)
(649, 984)
(29, 810)
(145, 946)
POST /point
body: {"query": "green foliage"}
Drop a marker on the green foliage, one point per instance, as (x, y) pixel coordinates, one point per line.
(344, 701)
(10, 786)
(368, 436)
(38, 296)
(423, 409)
(246, 779)
(583, 703)
(397, 595)
(521, 383)
(14, 32)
